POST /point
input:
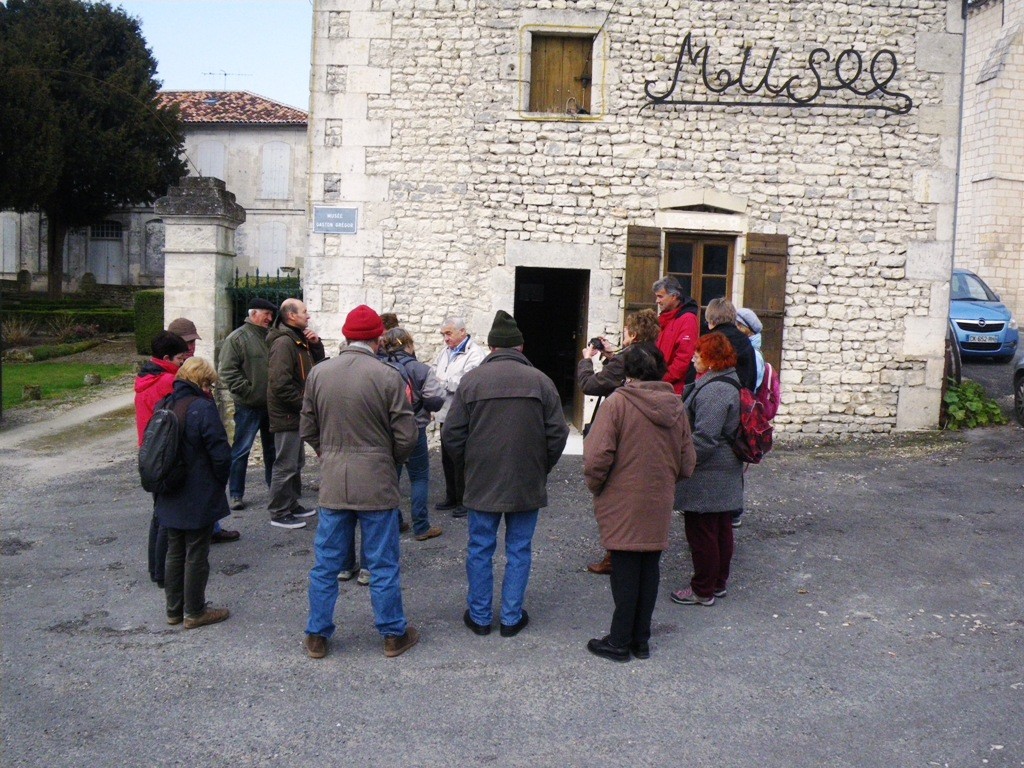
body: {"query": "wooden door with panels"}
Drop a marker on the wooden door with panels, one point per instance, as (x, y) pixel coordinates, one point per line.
(764, 289)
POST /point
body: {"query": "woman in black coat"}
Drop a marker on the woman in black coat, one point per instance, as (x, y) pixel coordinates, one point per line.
(190, 513)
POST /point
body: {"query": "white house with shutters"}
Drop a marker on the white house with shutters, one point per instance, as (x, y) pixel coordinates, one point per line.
(255, 145)
(553, 159)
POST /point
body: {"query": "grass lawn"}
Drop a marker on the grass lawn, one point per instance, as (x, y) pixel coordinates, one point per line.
(56, 379)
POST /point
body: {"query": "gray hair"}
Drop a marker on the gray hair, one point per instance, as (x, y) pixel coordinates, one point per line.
(455, 323)
(669, 285)
(720, 311)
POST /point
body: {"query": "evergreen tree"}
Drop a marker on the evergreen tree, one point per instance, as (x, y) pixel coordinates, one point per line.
(81, 131)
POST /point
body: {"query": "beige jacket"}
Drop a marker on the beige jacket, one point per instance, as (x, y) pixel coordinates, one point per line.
(356, 416)
(450, 372)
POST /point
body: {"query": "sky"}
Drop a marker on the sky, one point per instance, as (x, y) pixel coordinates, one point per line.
(263, 45)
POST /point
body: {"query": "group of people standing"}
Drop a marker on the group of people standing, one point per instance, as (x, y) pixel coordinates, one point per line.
(667, 426)
(669, 409)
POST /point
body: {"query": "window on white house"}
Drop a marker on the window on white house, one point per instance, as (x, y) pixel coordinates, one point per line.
(274, 181)
(561, 73)
(211, 159)
(273, 247)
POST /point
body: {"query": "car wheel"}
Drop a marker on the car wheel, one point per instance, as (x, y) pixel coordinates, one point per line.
(1018, 399)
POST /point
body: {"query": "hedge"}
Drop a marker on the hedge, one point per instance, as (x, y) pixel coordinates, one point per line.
(106, 320)
(149, 319)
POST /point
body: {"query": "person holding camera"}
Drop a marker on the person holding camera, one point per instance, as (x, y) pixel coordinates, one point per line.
(640, 327)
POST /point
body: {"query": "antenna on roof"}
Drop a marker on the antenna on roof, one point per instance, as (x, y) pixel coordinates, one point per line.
(226, 75)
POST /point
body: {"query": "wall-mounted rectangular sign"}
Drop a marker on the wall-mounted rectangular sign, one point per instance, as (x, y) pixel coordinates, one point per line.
(335, 221)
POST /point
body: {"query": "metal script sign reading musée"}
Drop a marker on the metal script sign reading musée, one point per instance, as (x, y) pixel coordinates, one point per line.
(840, 83)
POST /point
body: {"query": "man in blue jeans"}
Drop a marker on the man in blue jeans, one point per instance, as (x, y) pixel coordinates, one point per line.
(506, 430)
(357, 418)
(244, 357)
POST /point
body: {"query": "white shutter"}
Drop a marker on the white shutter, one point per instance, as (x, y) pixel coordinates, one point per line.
(9, 246)
(273, 246)
(211, 159)
(275, 179)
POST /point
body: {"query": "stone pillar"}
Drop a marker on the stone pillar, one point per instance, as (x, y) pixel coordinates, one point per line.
(200, 218)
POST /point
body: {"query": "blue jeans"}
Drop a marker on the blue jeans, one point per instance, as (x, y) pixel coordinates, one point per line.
(483, 538)
(419, 483)
(249, 422)
(335, 539)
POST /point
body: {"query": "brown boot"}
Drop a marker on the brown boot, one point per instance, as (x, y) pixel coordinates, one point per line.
(399, 644)
(316, 646)
(208, 616)
(602, 567)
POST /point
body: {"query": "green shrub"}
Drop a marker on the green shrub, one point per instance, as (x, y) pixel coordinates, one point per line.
(149, 319)
(106, 320)
(50, 351)
(967, 405)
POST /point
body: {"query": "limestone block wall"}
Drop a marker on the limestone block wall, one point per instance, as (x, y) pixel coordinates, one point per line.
(990, 211)
(418, 120)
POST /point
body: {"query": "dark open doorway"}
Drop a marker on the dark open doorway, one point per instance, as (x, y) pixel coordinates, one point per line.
(551, 310)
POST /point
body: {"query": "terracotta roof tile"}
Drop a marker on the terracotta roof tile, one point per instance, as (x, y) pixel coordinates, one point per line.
(234, 107)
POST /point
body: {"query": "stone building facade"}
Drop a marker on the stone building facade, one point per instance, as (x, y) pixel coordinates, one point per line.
(257, 146)
(553, 157)
(990, 210)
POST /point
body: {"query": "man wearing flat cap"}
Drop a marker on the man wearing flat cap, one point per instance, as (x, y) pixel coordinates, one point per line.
(506, 430)
(356, 416)
(244, 361)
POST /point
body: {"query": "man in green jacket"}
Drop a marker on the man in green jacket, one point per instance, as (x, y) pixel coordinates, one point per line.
(244, 357)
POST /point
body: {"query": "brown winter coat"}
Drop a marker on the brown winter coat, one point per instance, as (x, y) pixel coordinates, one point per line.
(291, 359)
(357, 418)
(638, 448)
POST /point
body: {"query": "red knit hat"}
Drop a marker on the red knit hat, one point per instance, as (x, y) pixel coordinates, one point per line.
(362, 324)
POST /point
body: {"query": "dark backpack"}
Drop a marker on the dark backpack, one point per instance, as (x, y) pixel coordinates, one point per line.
(412, 390)
(753, 437)
(162, 467)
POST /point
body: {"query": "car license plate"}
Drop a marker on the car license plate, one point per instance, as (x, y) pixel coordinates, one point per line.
(975, 339)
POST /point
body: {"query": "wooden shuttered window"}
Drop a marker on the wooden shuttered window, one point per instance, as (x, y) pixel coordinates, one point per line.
(560, 73)
(764, 289)
(643, 267)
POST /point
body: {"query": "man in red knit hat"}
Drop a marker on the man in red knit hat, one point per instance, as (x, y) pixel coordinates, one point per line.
(357, 418)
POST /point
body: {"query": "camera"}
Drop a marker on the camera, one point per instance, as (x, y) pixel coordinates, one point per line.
(597, 344)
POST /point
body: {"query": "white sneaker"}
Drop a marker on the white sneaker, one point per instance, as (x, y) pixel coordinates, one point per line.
(346, 575)
(364, 577)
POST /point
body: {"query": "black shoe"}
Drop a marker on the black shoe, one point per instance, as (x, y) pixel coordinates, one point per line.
(606, 650)
(640, 650)
(479, 629)
(445, 505)
(515, 629)
(459, 511)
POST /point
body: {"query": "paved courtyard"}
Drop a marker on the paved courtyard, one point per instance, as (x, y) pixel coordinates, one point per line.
(875, 618)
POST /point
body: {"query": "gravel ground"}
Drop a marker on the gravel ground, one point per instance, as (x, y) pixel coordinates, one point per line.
(874, 618)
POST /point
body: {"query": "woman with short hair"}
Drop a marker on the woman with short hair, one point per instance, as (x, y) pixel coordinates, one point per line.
(709, 497)
(189, 513)
(637, 449)
(400, 351)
